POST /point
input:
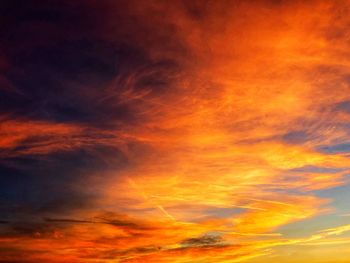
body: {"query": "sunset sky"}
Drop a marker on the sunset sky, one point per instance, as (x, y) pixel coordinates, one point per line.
(174, 131)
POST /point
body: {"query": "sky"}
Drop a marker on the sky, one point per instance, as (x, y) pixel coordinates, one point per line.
(179, 131)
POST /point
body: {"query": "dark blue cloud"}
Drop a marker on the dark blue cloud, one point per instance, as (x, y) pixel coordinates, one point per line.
(32, 185)
(68, 62)
(296, 137)
(343, 106)
(317, 169)
(336, 148)
(61, 61)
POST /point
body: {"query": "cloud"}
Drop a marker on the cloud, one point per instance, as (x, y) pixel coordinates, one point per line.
(200, 128)
(202, 241)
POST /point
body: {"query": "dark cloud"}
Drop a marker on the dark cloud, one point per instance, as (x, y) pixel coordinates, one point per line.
(64, 220)
(207, 240)
(118, 221)
(343, 106)
(296, 137)
(127, 253)
(317, 169)
(40, 185)
(72, 63)
(336, 148)
(125, 222)
(62, 61)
